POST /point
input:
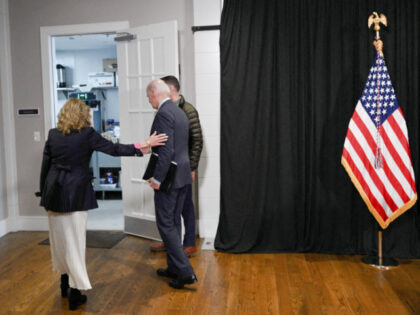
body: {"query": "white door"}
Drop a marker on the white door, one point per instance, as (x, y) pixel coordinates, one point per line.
(144, 53)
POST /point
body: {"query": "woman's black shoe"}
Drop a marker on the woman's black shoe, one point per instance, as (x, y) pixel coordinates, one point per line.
(64, 285)
(76, 299)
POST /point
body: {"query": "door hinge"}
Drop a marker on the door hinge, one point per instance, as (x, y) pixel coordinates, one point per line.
(124, 37)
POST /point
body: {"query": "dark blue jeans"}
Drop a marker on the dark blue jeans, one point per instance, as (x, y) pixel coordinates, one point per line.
(188, 215)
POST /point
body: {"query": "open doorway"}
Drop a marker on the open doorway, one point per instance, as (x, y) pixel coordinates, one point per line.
(86, 68)
(144, 53)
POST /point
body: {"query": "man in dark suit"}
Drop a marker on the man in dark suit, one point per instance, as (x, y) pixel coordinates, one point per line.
(195, 145)
(170, 119)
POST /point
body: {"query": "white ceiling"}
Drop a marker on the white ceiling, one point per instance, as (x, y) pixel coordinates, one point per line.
(79, 42)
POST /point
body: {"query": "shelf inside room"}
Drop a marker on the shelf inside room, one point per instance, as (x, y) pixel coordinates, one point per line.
(66, 90)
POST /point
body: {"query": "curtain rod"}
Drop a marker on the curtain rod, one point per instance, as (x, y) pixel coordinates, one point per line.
(205, 28)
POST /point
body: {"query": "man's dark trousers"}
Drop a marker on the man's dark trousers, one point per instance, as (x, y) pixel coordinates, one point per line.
(189, 218)
(168, 219)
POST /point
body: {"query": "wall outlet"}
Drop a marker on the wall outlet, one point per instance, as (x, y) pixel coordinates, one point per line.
(37, 136)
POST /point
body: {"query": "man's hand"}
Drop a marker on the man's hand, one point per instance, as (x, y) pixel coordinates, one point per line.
(153, 184)
(193, 175)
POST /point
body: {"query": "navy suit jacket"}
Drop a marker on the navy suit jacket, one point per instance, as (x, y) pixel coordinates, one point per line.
(170, 119)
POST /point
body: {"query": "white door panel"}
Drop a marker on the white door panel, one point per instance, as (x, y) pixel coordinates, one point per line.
(152, 54)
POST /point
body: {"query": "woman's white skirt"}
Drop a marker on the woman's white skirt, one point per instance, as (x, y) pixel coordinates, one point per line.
(68, 246)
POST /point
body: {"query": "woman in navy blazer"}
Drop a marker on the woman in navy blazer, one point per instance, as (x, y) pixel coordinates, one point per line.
(66, 190)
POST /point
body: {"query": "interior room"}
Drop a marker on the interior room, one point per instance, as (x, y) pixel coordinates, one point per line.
(287, 183)
(87, 69)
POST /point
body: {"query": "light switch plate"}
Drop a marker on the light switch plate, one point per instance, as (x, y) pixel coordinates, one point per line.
(37, 136)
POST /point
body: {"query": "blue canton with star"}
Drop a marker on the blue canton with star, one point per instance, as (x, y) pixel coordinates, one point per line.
(387, 100)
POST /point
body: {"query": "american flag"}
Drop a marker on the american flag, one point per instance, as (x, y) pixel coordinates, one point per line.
(376, 153)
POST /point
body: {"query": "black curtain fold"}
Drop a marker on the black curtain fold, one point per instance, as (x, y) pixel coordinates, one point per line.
(291, 75)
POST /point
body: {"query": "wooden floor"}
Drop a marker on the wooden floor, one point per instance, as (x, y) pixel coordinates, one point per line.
(124, 282)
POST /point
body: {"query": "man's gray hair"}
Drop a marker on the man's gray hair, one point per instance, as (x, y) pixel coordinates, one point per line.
(159, 86)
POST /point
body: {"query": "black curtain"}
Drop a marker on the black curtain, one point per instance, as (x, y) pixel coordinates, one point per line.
(291, 75)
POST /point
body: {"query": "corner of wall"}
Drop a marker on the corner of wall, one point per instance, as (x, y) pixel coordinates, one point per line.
(4, 227)
(207, 93)
(8, 123)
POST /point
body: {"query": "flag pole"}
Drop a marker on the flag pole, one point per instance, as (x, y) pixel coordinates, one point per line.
(380, 256)
(379, 261)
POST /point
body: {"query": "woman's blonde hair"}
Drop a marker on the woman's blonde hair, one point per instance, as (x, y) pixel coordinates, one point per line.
(74, 115)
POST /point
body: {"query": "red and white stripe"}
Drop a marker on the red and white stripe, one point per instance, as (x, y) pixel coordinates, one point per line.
(390, 190)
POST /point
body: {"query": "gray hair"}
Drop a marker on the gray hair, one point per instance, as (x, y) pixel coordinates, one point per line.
(159, 86)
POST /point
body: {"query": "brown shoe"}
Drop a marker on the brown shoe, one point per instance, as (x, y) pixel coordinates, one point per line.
(157, 247)
(190, 251)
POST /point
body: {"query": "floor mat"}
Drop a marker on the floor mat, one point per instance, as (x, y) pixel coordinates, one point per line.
(98, 239)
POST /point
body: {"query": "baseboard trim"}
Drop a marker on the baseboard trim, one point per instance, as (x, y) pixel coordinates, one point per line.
(208, 244)
(208, 227)
(4, 227)
(32, 223)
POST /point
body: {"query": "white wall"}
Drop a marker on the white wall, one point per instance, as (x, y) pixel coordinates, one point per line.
(3, 210)
(207, 86)
(8, 181)
(82, 62)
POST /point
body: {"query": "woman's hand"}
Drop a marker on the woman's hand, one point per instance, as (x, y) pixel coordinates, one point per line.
(143, 147)
(145, 150)
(154, 141)
(157, 139)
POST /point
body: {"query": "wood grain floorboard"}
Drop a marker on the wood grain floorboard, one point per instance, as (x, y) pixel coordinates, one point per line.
(124, 281)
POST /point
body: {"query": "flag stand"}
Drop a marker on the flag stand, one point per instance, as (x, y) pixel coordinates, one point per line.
(379, 261)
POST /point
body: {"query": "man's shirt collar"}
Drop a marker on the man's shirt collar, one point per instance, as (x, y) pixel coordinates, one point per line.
(163, 102)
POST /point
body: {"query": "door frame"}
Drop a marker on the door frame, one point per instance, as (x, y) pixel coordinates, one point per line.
(47, 32)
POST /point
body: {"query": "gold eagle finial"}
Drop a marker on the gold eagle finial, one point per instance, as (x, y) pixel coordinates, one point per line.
(376, 19)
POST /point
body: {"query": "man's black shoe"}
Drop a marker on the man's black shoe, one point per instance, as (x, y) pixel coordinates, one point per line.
(179, 283)
(166, 273)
